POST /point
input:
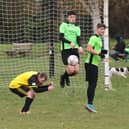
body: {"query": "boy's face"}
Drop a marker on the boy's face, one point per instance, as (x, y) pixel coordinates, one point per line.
(41, 79)
(100, 31)
(71, 18)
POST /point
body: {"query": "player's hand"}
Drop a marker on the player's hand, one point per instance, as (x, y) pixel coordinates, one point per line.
(50, 86)
(72, 45)
(102, 55)
(104, 51)
(80, 50)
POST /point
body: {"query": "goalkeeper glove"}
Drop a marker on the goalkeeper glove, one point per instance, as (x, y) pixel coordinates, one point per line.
(102, 53)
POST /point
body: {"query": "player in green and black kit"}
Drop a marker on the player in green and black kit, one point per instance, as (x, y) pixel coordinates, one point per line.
(95, 54)
(70, 45)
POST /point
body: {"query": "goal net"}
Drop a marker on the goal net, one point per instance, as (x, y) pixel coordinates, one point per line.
(29, 35)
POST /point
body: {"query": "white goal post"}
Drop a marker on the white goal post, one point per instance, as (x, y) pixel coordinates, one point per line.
(107, 81)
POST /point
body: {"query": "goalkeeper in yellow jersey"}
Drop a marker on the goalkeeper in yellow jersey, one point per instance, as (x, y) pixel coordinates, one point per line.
(27, 85)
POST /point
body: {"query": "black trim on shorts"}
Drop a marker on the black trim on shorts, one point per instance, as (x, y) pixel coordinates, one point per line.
(67, 52)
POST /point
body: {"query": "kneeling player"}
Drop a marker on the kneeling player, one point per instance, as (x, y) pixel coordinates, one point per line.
(27, 85)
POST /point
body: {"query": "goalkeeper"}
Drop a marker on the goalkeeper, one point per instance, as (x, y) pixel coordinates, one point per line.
(95, 54)
(27, 85)
(70, 45)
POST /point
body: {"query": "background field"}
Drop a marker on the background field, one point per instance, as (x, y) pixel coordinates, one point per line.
(64, 108)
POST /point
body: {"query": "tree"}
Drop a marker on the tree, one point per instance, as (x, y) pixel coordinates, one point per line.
(118, 17)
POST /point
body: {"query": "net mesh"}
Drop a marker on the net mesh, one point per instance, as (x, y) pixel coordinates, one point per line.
(36, 22)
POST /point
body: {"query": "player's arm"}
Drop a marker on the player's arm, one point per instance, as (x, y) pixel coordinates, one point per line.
(37, 88)
(79, 44)
(91, 46)
(79, 40)
(63, 39)
(78, 36)
(44, 88)
(90, 49)
(32, 81)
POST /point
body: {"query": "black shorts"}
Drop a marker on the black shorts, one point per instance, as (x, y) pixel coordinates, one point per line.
(67, 52)
(21, 91)
(91, 72)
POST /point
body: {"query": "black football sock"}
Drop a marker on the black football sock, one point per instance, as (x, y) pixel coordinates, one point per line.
(27, 104)
(65, 74)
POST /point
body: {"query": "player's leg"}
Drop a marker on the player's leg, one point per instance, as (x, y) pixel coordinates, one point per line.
(76, 69)
(23, 91)
(65, 54)
(91, 91)
(30, 95)
(73, 70)
(90, 96)
(77, 66)
(91, 78)
(65, 76)
(70, 70)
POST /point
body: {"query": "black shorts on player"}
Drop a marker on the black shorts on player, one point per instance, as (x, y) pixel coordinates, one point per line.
(67, 52)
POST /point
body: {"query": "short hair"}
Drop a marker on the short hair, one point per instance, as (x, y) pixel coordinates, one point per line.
(41, 75)
(71, 13)
(101, 25)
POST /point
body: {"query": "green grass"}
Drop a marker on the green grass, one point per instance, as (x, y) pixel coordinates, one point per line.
(62, 108)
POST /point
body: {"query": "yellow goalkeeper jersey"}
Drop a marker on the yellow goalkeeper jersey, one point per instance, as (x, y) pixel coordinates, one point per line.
(25, 79)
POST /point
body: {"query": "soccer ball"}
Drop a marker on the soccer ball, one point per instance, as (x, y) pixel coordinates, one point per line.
(73, 60)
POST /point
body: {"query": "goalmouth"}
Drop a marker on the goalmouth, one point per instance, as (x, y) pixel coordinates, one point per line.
(37, 22)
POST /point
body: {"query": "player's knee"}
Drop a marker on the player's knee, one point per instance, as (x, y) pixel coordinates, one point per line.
(71, 70)
(76, 71)
(31, 94)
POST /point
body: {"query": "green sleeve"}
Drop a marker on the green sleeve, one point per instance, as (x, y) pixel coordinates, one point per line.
(92, 41)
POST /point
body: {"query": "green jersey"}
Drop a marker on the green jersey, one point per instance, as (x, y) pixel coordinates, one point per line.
(71, 32)
(96, 42)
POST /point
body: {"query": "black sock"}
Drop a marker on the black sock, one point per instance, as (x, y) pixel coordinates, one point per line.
(65, 74)
(27, 104)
